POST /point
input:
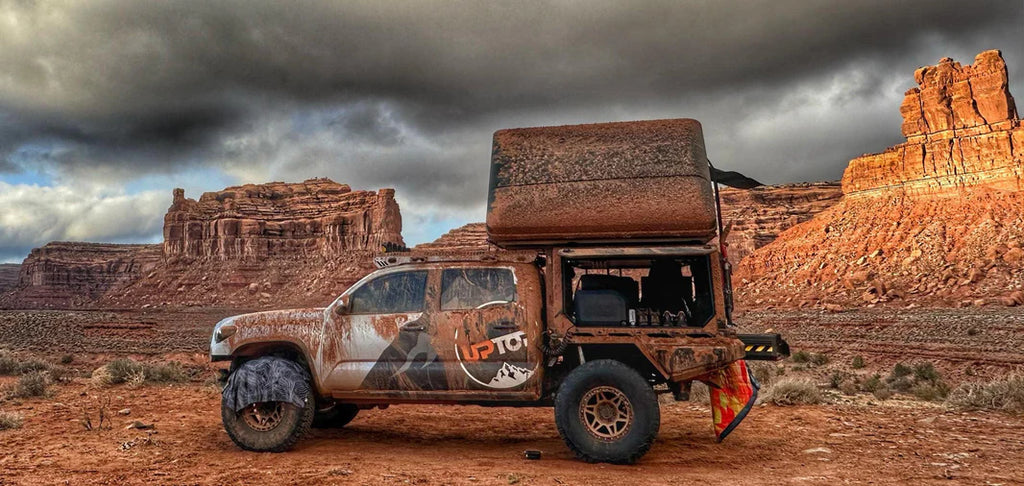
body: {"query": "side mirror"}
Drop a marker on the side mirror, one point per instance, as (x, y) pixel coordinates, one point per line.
(341, 309)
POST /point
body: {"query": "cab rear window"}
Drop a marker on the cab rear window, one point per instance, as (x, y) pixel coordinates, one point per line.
(469, 288)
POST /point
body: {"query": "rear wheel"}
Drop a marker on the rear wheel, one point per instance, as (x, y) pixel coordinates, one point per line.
(606, 412)
(268, 426)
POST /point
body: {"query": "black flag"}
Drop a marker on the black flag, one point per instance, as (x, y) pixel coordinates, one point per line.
(733, 179)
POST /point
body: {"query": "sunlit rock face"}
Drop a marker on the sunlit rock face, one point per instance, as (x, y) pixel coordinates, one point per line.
(937, 220)
(962, 130)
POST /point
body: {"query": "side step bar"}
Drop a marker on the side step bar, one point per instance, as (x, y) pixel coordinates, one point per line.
(764, 347)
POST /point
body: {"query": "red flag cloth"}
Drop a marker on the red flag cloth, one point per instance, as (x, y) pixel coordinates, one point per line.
(733, 392)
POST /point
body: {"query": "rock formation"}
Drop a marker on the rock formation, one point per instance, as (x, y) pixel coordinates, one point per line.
(757, 216)
(62, 273)
(938, 219)
(318, 217)
(962, 130)
(252, 245)
(9, 276)
(469, 238)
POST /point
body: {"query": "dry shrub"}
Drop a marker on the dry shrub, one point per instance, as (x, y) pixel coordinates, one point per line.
(9, 420)
(873, 384)
(857, 362)
(764, 372)
(1004, 394)
(136, 374)
(30, 385)
(13, 365)
(793, 391)
(101, 376)
(9, 365)
(931, 392)
(165, 373)
(883, 393)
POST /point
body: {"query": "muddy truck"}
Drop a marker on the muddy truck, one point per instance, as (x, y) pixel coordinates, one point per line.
(610, 287)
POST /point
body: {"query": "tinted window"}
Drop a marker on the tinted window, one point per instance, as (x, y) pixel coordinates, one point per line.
(469, 288)
(391, 294)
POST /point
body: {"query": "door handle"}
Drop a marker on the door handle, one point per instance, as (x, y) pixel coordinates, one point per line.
(413, 327)
(505, 326)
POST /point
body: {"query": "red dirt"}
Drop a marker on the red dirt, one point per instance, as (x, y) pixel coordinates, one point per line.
(899, 442)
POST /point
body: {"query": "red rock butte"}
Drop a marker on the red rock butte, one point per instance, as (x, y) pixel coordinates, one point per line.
(962, 130)
(937, 219)
(294, 243)
(315, 217)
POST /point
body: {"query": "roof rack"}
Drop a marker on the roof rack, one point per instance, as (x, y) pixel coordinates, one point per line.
(406, 258)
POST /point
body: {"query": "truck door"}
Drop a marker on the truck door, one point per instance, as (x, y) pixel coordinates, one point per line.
(380, 338)
(486, 334)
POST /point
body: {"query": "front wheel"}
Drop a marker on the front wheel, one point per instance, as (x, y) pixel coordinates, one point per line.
(268, 426)
(606, 412)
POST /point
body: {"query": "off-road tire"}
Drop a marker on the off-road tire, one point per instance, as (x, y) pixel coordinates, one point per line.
(335, 417)
(294, 424)
(608, 378)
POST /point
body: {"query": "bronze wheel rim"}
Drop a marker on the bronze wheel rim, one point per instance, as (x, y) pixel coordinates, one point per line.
(263, 416)
(606, 413)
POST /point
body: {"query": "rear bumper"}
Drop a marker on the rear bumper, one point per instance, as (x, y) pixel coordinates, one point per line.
(764, 347)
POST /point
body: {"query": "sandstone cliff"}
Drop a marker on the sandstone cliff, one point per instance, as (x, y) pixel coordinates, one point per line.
(469, 238)
(938, 219)
(269, 245)
(62, 274)
(9, 276)
(757, 216)
(318, 217)
(962, 131)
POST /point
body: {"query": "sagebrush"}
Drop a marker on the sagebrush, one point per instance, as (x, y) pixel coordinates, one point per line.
(135, 373)
(9, 420)
(1004, 394)
(793, 391)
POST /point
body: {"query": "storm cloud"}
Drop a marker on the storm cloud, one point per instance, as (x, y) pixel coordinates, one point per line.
(96, 96)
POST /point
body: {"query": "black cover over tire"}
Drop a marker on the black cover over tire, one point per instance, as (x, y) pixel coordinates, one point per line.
(606, 412)
(292, 424)
(337, 416)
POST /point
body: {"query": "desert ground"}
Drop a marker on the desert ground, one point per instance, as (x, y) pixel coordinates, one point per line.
(850, 438)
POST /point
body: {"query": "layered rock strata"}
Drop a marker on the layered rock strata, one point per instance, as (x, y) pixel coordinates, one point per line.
(469, 238)
(937, 220)
(9, 276)
(962, 131)
(755, 217)
(253, 245)
(70, 273)
(318, 217)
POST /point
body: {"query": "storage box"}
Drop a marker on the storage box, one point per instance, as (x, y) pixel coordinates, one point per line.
(642, 181)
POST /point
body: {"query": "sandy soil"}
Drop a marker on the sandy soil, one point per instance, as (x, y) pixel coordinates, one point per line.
(896, 442)
(856, 440)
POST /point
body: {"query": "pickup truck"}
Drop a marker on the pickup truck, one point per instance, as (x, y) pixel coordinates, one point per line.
(595, 332)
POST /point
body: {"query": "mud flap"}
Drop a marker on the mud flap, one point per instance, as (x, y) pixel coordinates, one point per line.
(733, 392)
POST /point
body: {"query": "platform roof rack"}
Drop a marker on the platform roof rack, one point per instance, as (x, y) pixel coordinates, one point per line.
(406, 258)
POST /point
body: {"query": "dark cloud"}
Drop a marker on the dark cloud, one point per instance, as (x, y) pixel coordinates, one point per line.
(407, 94)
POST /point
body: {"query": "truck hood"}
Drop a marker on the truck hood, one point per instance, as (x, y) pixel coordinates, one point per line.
(299, 326)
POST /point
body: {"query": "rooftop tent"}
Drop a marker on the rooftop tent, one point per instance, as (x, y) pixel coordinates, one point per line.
(643, 181)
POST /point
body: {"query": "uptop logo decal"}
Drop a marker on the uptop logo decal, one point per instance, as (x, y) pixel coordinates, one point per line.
(480, 360)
